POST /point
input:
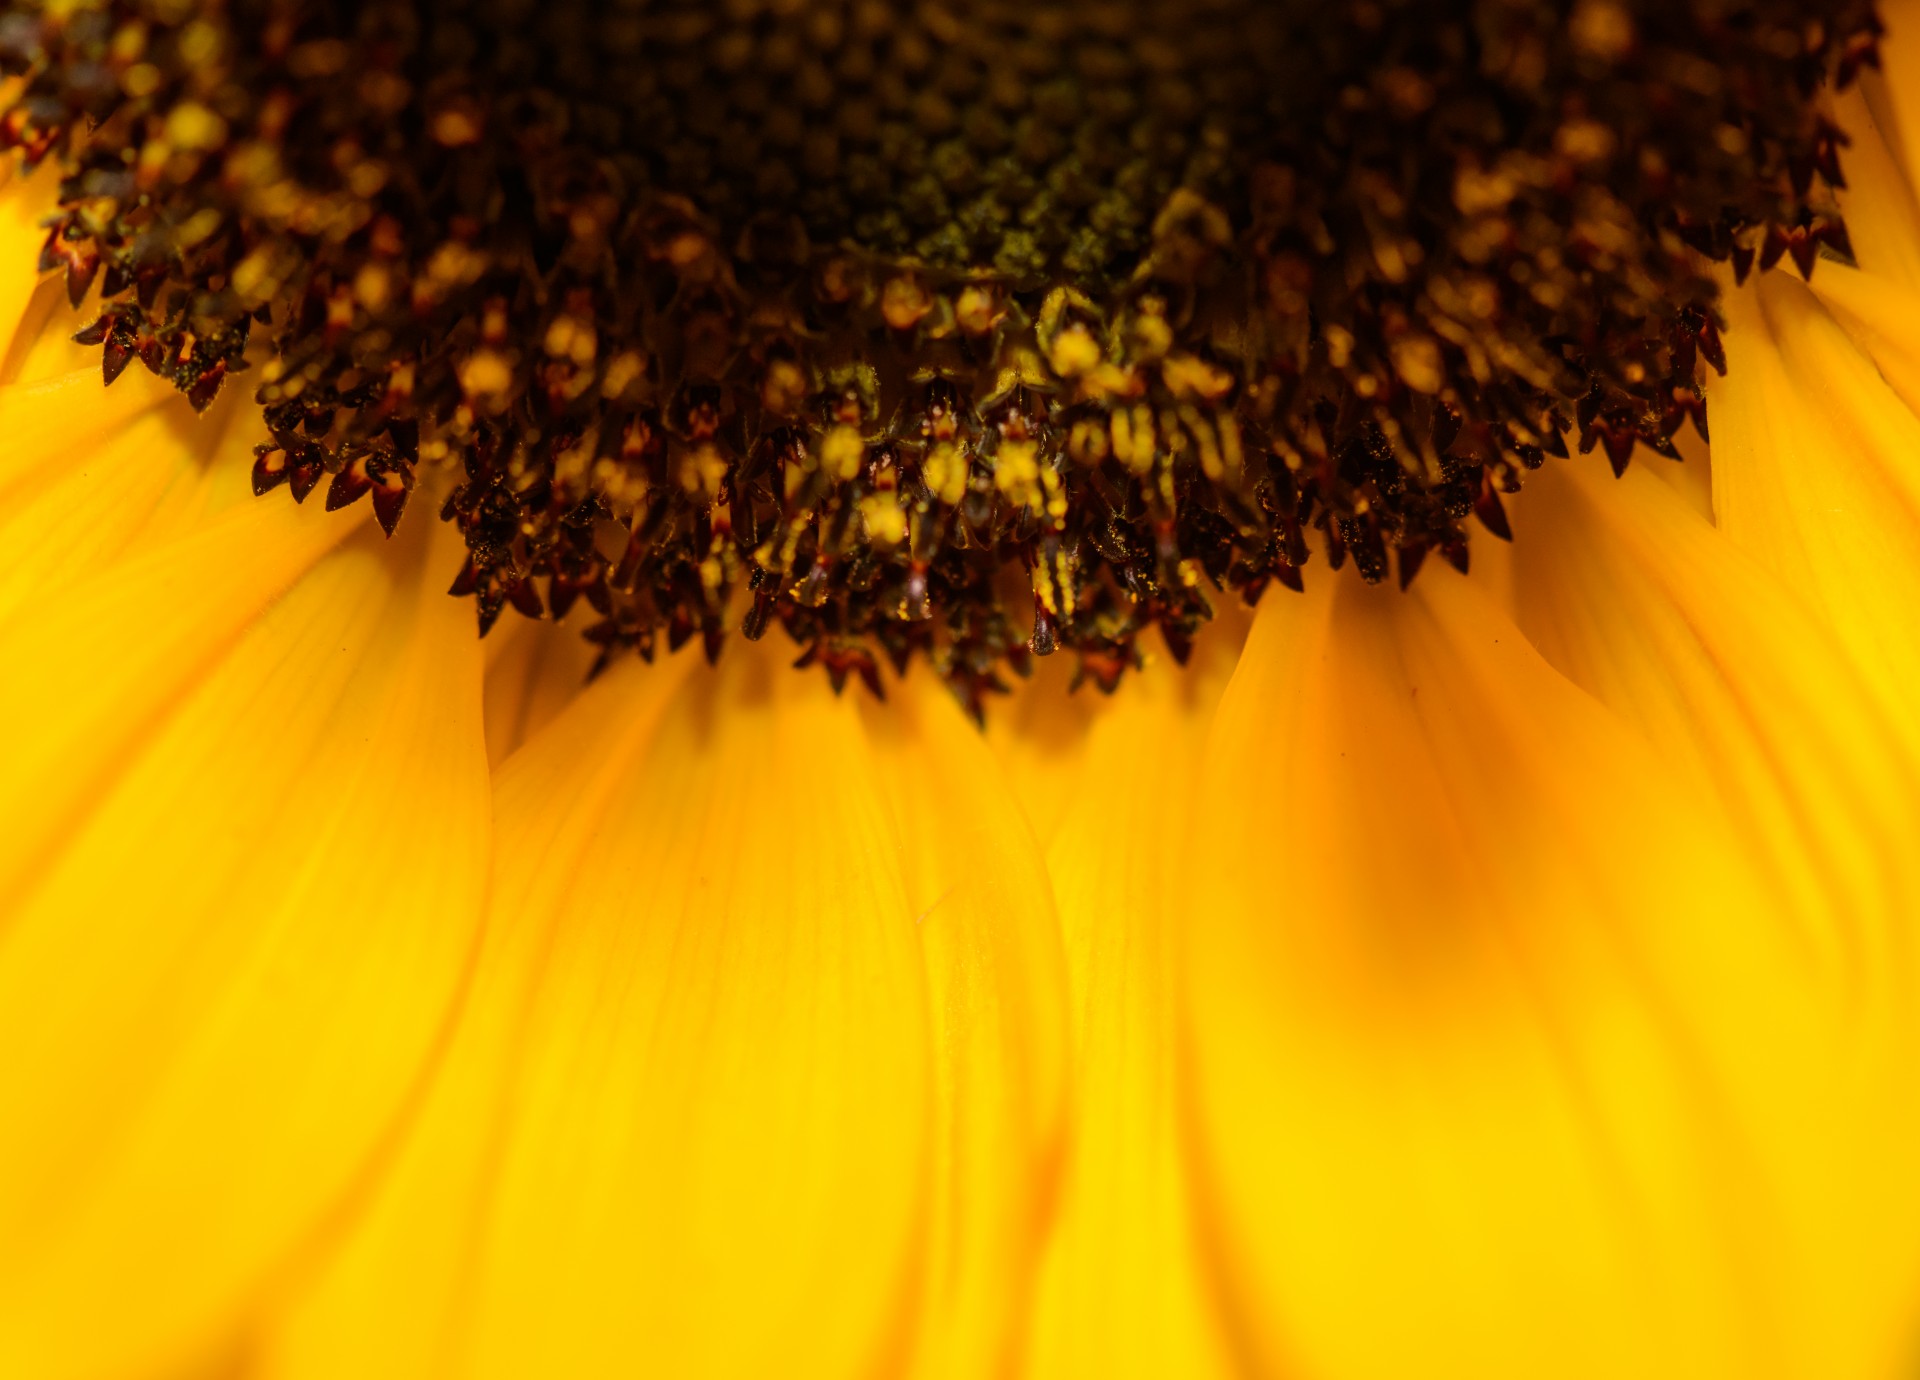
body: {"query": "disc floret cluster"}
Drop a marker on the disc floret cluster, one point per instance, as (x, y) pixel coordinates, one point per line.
(963, 332)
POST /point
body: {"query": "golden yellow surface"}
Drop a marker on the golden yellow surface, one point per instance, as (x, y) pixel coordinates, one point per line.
(1517, 977)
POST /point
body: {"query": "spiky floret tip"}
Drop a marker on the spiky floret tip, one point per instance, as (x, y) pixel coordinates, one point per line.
(966, 333)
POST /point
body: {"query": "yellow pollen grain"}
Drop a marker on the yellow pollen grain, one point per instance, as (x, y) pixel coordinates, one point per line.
(141, 80)
(904, 302)
(978, 310)
(1601, 29)
(623, 371)
(885, 523)
(1087, 442)
(701, 469)
(1584, 141)
(1073, 352)
(1189, 376)
(456, 126)
(841, 451)
(1133, 437)
(200, 44)
(1016, 473)
(784, 390)
(945, 471)
(1416, 359)
(1478, 191)
(373, 287)
(195, 128)
(485, 374)
(568, 337)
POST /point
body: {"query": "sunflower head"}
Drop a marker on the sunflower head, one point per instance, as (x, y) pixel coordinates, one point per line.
(1509, 975)
(966, 332)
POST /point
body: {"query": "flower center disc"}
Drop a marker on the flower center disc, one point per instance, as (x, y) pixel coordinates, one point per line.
(957, 331)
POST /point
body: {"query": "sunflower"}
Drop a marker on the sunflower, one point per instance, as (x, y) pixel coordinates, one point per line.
(1503, 969)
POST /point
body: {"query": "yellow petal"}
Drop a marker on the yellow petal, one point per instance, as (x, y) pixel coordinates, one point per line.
(235, 956)
(43, 346)
(1039, 736)
(1041, 731)
(97, 500)
(96, 668)
(534, 670)
(415, 1236)
(1894, 92)
(1877, 303)
(1122, 1292)
(1501, 1065)
(1816, 475)
(1883, 219)
(684, 1125)
(1639, 601)
(24, 203)
(717, 1158)
(1878, 312)
(1657, 615)
(997, 989)
(53, 426)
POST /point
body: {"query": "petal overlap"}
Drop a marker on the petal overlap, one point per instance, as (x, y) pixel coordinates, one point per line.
(226, 971)
(1115, 779)
(1502, 1061)
(752, 1076)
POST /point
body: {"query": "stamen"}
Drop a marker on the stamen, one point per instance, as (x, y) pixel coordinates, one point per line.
(958, 331)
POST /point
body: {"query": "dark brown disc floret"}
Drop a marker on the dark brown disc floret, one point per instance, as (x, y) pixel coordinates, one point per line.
(957, 331)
